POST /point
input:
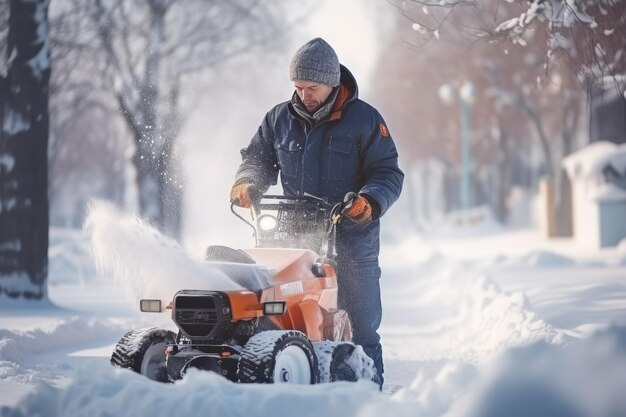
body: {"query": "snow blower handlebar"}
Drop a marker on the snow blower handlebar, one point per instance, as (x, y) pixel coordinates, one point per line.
(296, 221)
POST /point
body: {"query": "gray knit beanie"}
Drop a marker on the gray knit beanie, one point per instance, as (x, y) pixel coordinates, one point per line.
(315, 61)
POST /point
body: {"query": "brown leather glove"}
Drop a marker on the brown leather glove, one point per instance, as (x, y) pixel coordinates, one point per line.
(241, 194)
(360, 211)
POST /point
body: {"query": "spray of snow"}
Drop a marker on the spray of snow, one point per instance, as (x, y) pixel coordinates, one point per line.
(69, 259)
(144, 262)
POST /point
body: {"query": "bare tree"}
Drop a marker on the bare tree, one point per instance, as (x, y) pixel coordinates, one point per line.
(589, 34)
(23, 153)
(511, 107)
(553, 111)
(87, 145)
(149, 54)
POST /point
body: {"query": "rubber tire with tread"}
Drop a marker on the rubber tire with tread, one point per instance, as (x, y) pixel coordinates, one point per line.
(258, 357)
(340, 370)
(334, 362)
(130, 351)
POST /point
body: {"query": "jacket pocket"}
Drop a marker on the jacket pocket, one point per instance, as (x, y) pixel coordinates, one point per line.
(289, 158)
(341, 158)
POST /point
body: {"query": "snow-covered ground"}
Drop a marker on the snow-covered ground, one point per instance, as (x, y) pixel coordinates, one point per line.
(481, 321)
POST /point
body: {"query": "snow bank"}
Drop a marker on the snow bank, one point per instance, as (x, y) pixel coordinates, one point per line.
(434, 396)
(585, 379)
(122, 393)
(142, 261)
(15, 345)
(470, 222)
(16, 348)
(537, 259)
(448, 311)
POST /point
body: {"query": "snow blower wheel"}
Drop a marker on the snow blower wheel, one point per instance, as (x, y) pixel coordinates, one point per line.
(279, 357)
(340, 369)
(342, 361)
(143, 351)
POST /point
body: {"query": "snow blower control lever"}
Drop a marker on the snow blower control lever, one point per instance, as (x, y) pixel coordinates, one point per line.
(340, 208)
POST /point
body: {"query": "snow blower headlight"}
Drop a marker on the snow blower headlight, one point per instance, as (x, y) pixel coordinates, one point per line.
(267, 222)
(150, 306)
(274, 308)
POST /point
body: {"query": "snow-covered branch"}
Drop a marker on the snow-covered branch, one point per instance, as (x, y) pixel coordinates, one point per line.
(589, 34)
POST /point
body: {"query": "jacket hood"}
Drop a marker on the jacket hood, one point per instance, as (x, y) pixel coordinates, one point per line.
(348, 80)
(348, 92)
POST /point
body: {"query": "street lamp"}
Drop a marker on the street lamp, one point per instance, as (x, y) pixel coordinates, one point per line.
(466, 96)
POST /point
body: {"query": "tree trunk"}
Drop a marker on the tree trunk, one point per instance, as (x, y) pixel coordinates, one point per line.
(536, 121)
(149, 135)
(502, 179)
(24, 153)
(563, 203)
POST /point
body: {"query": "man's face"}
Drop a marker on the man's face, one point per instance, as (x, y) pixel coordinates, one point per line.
(313, 95)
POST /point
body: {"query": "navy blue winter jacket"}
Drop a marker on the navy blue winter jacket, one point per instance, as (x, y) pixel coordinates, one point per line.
(350, 151)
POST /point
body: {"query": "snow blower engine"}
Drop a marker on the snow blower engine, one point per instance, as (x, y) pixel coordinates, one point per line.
(283, 327)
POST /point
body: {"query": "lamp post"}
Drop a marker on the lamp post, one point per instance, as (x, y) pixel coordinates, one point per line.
(465, 95)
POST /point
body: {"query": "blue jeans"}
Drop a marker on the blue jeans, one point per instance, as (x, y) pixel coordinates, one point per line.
(359, 295)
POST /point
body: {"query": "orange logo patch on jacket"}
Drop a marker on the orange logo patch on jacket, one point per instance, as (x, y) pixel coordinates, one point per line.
(384, 131)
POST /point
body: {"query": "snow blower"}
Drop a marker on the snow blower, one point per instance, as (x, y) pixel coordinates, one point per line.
(283, 328)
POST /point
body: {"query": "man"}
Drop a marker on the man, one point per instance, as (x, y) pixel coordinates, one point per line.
(327, 143)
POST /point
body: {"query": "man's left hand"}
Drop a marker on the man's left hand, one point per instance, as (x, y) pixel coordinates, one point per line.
(360, 211)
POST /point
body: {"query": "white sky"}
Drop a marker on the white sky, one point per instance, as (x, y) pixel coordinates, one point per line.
(349, 26)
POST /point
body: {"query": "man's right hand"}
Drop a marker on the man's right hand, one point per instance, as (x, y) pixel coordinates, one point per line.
(242, 194)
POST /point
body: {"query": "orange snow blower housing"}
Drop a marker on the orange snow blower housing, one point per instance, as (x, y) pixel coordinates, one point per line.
(307, 288)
